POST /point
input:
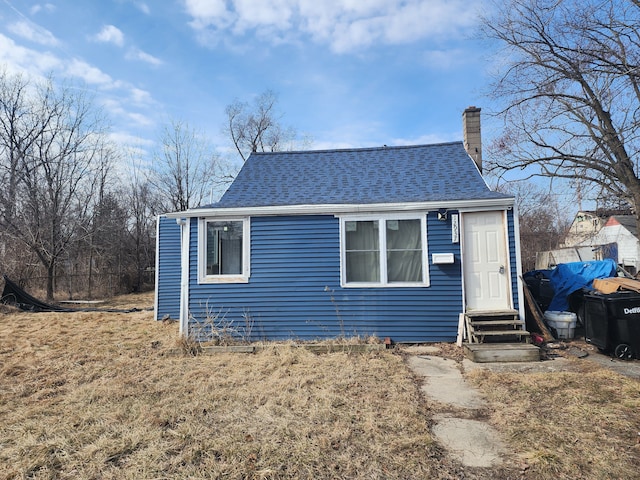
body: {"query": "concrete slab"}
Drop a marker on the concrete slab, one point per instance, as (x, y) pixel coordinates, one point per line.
(444, 382)
(502, 352)
(472, 442)
(559, 364)
(629, 368)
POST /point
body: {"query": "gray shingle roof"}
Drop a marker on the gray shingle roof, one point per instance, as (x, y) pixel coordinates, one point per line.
(423, 173)
(628, 222)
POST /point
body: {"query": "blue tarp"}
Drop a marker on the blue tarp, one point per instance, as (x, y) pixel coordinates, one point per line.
(567, 278)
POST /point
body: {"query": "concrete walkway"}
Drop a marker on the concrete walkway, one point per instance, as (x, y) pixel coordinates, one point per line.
(473, 442)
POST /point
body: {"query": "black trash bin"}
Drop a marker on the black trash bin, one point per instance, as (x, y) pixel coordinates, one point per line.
(612, 322)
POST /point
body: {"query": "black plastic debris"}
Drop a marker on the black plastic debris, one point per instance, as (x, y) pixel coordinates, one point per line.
(14, 295)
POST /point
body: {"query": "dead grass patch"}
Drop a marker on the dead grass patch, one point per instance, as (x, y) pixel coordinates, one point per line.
(103, 395)
(582, 423)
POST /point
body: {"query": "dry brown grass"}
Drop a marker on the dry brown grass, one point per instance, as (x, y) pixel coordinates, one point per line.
(583, 423)
(110, 396)
(94, 395)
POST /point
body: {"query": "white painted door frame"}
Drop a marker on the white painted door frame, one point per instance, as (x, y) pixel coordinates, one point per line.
(486, 263)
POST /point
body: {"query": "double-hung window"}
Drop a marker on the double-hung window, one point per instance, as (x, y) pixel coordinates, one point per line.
(223, 253)
(384, 251)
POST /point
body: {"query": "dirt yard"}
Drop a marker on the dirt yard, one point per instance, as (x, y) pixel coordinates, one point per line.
(116, 396)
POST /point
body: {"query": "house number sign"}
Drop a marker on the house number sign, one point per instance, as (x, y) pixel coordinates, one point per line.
(455, 229)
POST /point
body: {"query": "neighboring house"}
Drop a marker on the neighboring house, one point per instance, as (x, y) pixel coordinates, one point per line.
(585, 224)
(596, 237)
(394, 242)
(619, 230)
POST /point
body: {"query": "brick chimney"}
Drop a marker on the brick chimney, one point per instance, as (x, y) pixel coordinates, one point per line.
(471, 134)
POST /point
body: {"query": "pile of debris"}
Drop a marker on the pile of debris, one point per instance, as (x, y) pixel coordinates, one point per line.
(588, 295)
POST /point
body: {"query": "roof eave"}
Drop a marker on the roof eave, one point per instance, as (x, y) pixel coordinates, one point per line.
(337, 209)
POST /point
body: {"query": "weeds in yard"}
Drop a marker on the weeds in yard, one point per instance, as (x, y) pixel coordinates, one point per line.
(188, 345)
(337, 308)
(216, 328)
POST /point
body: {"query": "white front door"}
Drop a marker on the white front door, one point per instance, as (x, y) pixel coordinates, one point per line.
(485, 262)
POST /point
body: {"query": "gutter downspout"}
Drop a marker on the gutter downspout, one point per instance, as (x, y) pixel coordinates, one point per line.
(184, 275)
(157, 272)
(518, 260)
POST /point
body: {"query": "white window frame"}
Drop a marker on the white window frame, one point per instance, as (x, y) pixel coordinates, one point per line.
(383, 250)
(202, 252)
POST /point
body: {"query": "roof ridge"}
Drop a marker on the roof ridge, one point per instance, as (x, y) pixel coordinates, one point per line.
(355, 149)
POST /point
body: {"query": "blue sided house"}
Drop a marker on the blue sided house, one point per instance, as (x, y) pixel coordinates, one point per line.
(395, 242)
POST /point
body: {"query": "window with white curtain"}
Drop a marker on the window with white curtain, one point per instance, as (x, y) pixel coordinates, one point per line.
(384, 251)
(224, 250)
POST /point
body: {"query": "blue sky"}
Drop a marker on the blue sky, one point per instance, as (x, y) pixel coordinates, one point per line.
(348, 73)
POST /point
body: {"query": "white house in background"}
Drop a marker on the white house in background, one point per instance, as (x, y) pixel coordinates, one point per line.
(596, 236)
(584, 226)
(620, 230)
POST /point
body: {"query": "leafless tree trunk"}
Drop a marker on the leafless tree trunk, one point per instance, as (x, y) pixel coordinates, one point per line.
(570, 83)
(144, 206)
(543, 224)
(184, 171)
(53, 148)
(257, 127)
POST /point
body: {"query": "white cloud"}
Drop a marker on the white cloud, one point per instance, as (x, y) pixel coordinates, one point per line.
(39, 64)
(136, 54)
(125, 138)
(33, 33)
(89, 73)
(140, 96)
(207, 13)
(37, 8)
(119, 98)
(140, 119)
(143, 7)
(275, 14)
(116, 110)
(21, 59)
(110, 34)
(344, 25)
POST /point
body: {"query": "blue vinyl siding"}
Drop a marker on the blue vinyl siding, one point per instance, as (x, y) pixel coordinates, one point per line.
(294, 289)
(514, 260)
(169, 269)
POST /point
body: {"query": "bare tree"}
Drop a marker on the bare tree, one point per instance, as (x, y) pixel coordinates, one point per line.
(53, 151)
(570, 83)
(144, 205)
(543, 224)
(19, 130)
(185, 169)
(257, 127)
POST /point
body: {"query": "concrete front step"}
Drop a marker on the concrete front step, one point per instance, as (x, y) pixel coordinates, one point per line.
(501, 352)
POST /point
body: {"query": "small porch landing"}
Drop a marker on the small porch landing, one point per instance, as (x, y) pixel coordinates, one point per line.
(501, 352)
